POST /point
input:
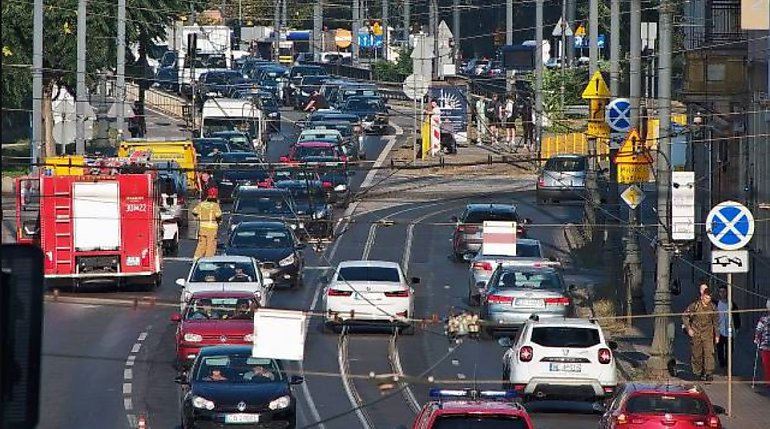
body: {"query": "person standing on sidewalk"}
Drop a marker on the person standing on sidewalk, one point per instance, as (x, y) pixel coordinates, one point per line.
(702, 325)
(209, 214)
(726, 329)
(762, 341)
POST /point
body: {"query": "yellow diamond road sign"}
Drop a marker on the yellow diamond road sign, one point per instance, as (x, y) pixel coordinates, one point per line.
(596, 88)
(633, 196)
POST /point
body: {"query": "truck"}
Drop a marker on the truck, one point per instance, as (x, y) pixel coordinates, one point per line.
(212, 52)
(234, 114)
(178, 149)
(93, 228)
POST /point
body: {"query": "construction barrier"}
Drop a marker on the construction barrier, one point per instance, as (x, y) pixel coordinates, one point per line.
(573, 143)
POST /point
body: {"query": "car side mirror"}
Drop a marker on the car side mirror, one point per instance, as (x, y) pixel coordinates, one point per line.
(719, 410)
(283, 159)
(467, 257)
(176, 317)
(599, 407)
(505, 342)
(612, 345)
(300, 246)
(295, 379)
(180, 282)
(267, 282)
(181, 379)
(414, 280)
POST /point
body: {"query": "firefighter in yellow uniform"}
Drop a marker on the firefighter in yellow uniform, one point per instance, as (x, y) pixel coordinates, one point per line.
(209, 214)
(701, 323)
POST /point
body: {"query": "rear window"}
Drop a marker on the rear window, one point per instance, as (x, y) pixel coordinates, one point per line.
(306, 71)
(523, 279)
(566, 164)
(528, 250)
(564, 336)
(487, 421)
(368, 274)
(479, 216)
(666, 404)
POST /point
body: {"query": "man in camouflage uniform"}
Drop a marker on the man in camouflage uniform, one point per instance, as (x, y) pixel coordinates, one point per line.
(701, 323)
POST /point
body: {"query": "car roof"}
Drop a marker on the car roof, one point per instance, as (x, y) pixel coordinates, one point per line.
(479, 406)
(261, 191)
(224, 258)
(315, 143)
(368, 263)
(490, 207)
(566, 322)
(528, 241)
(296, 183)
(258, 224)
(567, 155)
(240, 294)
(684, 388)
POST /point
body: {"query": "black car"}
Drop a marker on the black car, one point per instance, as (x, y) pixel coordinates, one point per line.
(227, 386)
(274, 245)
(218, 83)
(267, 77)
(257, 203)
(352, 140)
(237, 140)
(335, 178)
(209, 150)
(352, 89)
(228, 179)
(313, 210)
(294, 77)
(371, 110)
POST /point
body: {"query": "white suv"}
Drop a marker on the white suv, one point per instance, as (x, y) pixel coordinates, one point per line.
(560, 359)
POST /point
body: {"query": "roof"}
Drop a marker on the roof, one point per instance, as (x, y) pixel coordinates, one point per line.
(460, 406)
(565, 322)
(319, 131)
(261, 191)
(688, 388)
(260, 224)
(224, 258)
(316, 143)
(490, 207)
(297, 183)
(223, 294)
(368, 263)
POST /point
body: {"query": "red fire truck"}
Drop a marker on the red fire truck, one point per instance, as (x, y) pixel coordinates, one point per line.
(93, 228)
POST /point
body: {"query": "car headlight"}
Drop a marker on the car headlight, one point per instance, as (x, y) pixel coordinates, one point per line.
(203, 403)
(341, 187)
(320, 214)
(273, 115)
(248, 338)
(280, 403)
(193, 338)
(289, 260)
(292, 226)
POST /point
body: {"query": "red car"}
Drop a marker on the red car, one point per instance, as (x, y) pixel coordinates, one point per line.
(213, 318)
(472, 408)
(310, 151)
(648, 406)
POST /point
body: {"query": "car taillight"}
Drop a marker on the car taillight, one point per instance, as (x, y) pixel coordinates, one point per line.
(343, 158)
(541, 182)
(605, 356)
(486, 266)
(498, 299)
(557, 301)
(713, 422)
(526, 354)
(621, 419)
(327, 185)
(519, 230)
(468, 228)
(398, 294)
(337, 292)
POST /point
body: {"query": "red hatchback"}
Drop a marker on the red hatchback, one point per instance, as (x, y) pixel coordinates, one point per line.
(313, 151)
(648, 406)
(213, 318)
(466, 408)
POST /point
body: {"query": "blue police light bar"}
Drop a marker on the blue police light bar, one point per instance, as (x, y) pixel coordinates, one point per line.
(437, 393)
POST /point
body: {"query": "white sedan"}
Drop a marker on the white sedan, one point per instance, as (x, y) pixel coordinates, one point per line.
(369, 292)
(226, 273)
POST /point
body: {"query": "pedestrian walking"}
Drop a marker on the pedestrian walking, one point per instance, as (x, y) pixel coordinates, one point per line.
(762, 341)
(209, 214)
(726, 329)
(509, 121)
(482, 122)
(528, 123)
(493, 116)
(702, 326)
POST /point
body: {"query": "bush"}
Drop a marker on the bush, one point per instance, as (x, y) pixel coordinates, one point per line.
(388, 71)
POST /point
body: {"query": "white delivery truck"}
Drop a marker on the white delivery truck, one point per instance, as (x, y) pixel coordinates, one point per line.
(213, 52)
(233, 114)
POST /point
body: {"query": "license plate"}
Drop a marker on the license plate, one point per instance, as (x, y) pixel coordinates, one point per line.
(527, 302)
(565, 367)
(241, 418)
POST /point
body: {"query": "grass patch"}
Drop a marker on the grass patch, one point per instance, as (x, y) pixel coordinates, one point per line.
(606, 312)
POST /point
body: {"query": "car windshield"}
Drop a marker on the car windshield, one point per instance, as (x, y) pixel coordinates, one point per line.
(344, 128)
(306, 71)
(306, 193)
(211, 126)
(363, 104)
(369, 274)
(566, 164)
(313, 80)
(367, 92)
(238, 368)
(303, 152)
(659, 403)
(528, 250)
(528, 279)
(220, 309)
(479, 421)
(262, 238)
(209, 271)
(266, 205)
(210, 146)
(479, 216)
(565, 336)
(316, 136)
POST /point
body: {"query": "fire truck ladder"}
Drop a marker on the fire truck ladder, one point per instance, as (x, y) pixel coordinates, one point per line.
(63, 240)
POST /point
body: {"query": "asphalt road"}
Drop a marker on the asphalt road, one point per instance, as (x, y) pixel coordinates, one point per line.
(106, 363)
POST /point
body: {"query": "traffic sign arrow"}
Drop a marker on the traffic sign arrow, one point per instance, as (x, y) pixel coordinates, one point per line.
(633, 150)
(596, 88)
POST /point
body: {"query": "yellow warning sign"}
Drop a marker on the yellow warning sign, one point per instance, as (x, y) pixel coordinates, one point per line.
(596, 88)
(377, 29)
(598, 130)
(633, 150)
(581, 31)
(633, 173)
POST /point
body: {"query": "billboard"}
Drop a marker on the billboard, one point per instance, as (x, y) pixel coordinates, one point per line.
(453, 102)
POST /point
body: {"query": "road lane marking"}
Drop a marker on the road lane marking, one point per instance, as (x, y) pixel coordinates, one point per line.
(460, 376)
(128, 404)
(130, 361)
(128, 374)
(395, 363)
(142, 336)
(378, 163)
(136, 348)
(369, 241)
(347, 382)
(132, 423)
(127, 388)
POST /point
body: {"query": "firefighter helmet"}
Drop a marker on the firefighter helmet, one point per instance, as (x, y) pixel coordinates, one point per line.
(212, 193)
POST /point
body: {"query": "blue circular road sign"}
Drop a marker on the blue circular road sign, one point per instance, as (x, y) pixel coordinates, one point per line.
(730, 225)
(618, 115)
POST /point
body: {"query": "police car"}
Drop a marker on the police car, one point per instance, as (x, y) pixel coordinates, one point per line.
(565, 358)
(461, 408)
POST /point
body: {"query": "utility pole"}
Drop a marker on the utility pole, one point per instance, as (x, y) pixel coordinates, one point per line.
(571, 9)
(615, 47)
(356, 25)
(276, 29)
(538, 72)
(509, 22)
(384, 26)
(563, 50)
(80, 108)
(456, 29)
(407, 19)
(120, 95)
(635, 63)
(593, 34)
(37, 82)
(664, 330)
(434, 34)
(284, 15)
(318, 23)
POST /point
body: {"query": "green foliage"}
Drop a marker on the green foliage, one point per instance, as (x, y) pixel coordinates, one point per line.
(388, 71)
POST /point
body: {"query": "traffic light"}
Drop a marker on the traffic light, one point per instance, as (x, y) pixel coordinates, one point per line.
(192, 46)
